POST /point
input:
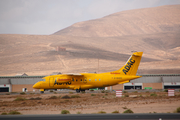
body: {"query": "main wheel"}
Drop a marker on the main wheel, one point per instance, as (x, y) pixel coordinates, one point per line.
(82, 90)
(78, 90)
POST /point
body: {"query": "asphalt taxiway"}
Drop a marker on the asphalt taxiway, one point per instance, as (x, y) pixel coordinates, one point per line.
(156, 116)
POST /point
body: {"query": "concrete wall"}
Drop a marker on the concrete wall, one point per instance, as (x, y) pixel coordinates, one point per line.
(18, 88)
(118, 87)
(153, 85)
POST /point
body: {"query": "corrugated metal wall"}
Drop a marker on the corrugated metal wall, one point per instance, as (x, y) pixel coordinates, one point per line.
(20, 80)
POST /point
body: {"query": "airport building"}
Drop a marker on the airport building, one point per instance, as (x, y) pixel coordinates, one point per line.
(25, 83)
(151, 82)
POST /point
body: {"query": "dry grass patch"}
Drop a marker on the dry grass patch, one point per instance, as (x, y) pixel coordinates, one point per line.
(38, 98)
(53, 97)
(75, 96)
(115, 111)
(65, 97)
(128, 111)
(14, 113)
(19, 99)
(101, 112)
(65, 112)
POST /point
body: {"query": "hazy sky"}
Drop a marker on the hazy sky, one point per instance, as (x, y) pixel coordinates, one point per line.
(49, 16)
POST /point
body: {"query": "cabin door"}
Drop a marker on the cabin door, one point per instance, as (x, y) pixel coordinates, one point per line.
(51, 82)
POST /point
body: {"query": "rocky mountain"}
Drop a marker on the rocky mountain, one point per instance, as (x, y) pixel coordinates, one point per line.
(99, 45)
(131, 22)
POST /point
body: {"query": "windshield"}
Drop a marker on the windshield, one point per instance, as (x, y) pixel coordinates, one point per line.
(43, 80)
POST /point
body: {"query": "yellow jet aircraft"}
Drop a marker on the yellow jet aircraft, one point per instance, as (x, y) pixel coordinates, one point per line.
(84, 81)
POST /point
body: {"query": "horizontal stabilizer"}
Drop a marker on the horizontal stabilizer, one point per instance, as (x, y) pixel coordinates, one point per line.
(123, 82)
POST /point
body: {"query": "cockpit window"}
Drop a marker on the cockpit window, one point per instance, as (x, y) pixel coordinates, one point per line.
(43, 80)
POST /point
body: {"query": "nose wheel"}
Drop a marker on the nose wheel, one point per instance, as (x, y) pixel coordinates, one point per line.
(41, 91)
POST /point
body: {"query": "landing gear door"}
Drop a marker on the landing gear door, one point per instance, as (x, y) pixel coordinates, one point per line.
(51, 82)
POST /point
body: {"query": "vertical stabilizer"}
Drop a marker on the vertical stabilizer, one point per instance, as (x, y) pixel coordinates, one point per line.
(131, 66)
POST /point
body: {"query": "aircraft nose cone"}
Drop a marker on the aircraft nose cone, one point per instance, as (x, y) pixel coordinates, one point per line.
(37, 86)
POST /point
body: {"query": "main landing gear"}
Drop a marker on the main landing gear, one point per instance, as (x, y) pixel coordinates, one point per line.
(79, 90)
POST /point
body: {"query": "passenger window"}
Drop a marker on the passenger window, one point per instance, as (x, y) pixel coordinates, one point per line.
(73, 79)
(95, 79)
(81, 79)
(89, 79)
(76, 80)
(99, 79)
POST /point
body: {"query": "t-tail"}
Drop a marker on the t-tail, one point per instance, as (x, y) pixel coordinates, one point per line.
(131, 66)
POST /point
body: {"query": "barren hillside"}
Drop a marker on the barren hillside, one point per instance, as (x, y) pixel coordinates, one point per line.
(106, 42)
(131, 22)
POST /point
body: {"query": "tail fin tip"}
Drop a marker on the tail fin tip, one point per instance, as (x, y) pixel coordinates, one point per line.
(138, 54)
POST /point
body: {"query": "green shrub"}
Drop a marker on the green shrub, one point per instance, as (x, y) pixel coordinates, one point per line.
(91, 90)
(135, 91)
(22, 93)
(166, 90)
(65, 112)
(125, 107)
(93, 95)
(79, 113)
(53, 97)
(106, 94)
(75, 96)
(70, 92)
(115, 111)
(128, 111)
(124, 91)
(153, 94)
(4, 113)
(103, 91)
(19, 99)
(38, 98)
(83, 92)
(55, 92)
(126, 95)
(106, 91)
(65, 97)
(14, 113)
(102, 112)
(178, 110)
(51, 91)
(7, 93)
(13, 92)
